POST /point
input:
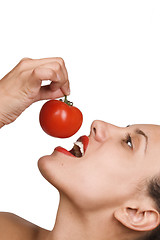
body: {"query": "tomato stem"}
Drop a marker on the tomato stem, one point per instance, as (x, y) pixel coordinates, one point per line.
(67, 102)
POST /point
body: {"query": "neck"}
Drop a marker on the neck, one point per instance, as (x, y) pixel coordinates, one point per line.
(71, 223)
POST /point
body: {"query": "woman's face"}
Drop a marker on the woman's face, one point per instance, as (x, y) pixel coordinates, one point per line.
(112, 169)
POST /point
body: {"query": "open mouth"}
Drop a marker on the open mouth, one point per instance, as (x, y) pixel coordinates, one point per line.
(78, 149)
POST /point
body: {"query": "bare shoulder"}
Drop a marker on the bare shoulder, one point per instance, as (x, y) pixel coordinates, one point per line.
(16, 228)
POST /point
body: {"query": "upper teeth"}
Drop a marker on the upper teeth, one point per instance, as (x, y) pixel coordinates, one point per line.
(80, 145)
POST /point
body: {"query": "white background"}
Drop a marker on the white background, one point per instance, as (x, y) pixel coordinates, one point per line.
(112, 53)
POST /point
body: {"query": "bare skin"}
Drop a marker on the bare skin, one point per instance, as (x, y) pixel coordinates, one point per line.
(87, 211)
(21, 87)
(105, 201)
(15, 227)
(102, 194)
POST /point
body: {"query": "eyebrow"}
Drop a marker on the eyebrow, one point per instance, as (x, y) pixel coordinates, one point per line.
(140, 132)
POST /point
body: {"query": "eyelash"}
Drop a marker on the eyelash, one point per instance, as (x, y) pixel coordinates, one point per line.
(128, 139)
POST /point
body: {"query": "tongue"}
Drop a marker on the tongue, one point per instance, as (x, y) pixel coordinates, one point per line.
(63, 150)
(76, 151)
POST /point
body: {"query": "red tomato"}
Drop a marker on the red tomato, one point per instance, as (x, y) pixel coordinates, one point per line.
(58, 119)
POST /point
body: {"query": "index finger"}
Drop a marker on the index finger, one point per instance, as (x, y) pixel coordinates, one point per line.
(29, 64)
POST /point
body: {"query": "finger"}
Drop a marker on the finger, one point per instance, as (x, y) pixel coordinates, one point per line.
(40, 74)
(46, 93)
(52, 60)
(56, 59)
(30, 64)
(61, 61)
(55, 66)
(60, 81)
(54, 86)
(66, 88)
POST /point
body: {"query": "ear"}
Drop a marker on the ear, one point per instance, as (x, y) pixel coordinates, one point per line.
(136, 219)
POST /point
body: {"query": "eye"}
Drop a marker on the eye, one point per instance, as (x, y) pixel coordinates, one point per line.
(128, 140)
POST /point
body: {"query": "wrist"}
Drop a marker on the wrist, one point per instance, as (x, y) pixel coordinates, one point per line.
(2, 101)
(1, 124)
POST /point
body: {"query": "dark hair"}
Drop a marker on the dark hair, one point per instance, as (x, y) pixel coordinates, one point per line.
(154, 193)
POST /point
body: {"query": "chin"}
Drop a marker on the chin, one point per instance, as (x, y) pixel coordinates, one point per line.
(42, 165)
(62, 166)
(51, 168)
(44, 168)
(56, 165)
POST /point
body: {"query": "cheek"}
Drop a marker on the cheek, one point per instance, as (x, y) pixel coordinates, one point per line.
(97, 180)
(79, 180)
(104, 179)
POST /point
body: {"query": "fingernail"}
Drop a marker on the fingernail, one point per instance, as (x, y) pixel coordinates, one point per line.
(68, 91)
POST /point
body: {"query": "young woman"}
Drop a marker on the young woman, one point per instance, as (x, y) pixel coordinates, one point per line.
(112, 191)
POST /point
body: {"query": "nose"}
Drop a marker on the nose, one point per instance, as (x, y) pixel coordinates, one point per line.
(100, 130)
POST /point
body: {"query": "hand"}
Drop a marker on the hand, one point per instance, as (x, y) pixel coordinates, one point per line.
(22, 86)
